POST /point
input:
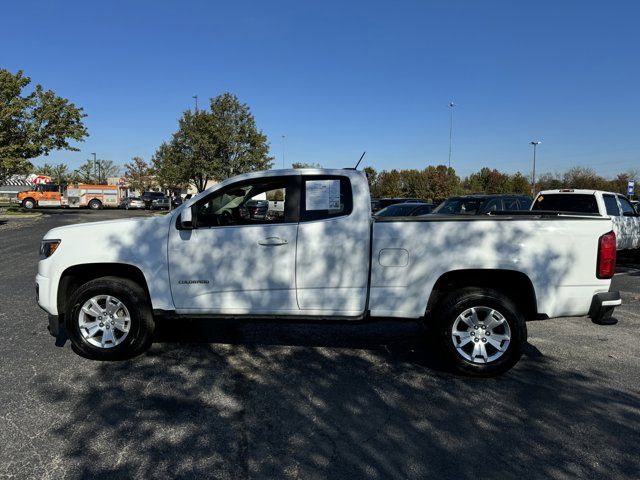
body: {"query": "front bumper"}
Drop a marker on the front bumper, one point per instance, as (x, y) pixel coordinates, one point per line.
(603, 304)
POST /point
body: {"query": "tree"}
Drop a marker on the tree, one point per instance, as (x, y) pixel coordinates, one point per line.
(33, 124)
(389, 184)
(548, 181)
(59, 173)
(583, 177)
(305, 165)
(138, 174)
(86, 173)
(519, 184)
(213, 145)
(96, 173)
(443, 182)
(168, 174)
(106, 169)
(372, 178)
(487, 181)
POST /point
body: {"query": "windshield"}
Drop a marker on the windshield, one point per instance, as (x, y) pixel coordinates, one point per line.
(567, 202)
(459, 206)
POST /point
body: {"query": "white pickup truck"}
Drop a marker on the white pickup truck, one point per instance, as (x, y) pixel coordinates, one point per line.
(626, 220)
(474, 280)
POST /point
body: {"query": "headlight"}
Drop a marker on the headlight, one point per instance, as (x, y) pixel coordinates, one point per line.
(47, 247)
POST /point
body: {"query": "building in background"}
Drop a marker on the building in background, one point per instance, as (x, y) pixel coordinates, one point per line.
(9, 189)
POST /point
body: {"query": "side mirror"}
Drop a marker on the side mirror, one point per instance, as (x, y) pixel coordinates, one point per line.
(186, 219)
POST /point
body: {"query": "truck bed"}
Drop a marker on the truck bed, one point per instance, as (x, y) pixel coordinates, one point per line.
(557, 253)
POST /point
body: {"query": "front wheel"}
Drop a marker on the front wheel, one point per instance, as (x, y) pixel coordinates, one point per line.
(482, 331)
(109, 318)
(29, 204)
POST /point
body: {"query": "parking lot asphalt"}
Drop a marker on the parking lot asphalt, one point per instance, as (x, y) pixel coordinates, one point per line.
(257, 399)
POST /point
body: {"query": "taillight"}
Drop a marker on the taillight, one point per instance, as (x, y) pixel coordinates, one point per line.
(606, 256)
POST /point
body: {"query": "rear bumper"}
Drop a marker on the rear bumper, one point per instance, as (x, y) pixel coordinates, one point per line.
(603, 304)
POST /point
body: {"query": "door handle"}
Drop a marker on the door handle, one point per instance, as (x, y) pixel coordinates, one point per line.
(272, 241)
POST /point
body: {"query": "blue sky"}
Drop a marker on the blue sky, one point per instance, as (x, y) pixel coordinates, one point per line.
(337, 78)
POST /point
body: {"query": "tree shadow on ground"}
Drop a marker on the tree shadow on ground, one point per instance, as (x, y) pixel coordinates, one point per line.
(252, 399)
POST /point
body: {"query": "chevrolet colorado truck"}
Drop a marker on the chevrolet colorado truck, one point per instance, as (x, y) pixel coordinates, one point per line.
(473, 280)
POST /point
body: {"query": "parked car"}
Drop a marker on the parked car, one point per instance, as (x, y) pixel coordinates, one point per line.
(129, 203)
(148, 197)
(482, 204)
(474, 282)
(626, 220)
(160, 203)
(380, 203)
(406, 210)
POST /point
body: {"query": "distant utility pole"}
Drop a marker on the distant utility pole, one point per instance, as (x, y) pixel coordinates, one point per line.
(451, 107)
(283, 137)
(535, 143)
(195, 97)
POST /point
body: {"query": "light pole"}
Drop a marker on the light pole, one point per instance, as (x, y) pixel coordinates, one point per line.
(451, 107)
(195, 97)
(535, 143)
(283, 137)
(96, 164)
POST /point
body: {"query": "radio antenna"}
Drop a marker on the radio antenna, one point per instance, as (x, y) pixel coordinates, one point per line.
(356, 167)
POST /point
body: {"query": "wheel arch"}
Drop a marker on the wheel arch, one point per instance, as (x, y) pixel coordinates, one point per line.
(77, 275)
(517, 286)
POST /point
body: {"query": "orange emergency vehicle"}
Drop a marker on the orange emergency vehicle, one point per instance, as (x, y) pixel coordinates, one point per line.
(46, 194)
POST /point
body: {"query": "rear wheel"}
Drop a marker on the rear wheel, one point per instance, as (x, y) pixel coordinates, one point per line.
(29, 203)
(482, 331)
(109, 318)
(95, 204)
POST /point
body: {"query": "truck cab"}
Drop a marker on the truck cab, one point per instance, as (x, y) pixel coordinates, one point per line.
(42, 195)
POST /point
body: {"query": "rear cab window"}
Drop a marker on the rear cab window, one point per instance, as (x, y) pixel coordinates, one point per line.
(324, 197)
(567, 202)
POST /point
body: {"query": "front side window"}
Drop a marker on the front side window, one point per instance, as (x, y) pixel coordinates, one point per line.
(611, 205)
(245, 203)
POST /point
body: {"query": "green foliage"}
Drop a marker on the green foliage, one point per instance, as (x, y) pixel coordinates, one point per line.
(305, 165)
(372, 177)
(138, 174)
(431, 183)
(213, 145)
(59, 173)
(95, 173)
(168, 173)
(33, 124)
(440, 182)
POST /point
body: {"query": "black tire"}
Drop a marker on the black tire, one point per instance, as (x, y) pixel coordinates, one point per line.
(95, 204)
(460, 302)
(29, 203)
(135, 300)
